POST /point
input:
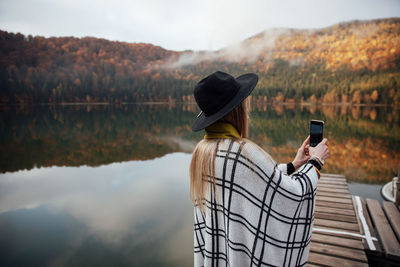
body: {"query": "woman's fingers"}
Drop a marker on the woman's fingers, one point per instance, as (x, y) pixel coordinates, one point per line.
(307, 150)
(321, 150)
(306, 141)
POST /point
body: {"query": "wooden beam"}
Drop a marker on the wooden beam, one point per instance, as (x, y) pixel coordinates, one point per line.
(336, 240)
(393, 216)
(333, 190)
(332, 179)
(325, 178)
(336, 200)
(332, 194)
(390, 244)
(344, 226)
(348, 212)
(332, 182)
(328, 260)
(333, 186)
(333, 175)
(335, 217)
(322, 203)
(350, 253)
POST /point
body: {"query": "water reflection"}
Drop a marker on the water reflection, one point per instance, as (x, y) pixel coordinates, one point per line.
(108, 185)
(135, 213)
(365, 140)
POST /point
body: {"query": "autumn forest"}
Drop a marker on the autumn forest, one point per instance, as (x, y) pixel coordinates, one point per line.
(355, 62)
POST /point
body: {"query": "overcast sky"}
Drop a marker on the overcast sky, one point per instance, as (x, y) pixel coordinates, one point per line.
(181, 24)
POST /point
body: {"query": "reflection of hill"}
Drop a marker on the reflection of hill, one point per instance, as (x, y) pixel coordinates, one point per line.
(90, 135)
(365, 142)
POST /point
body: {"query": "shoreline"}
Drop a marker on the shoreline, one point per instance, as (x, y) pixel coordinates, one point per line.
(194, 103)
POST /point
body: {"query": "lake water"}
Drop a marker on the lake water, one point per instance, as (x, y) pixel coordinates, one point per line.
(104, 185)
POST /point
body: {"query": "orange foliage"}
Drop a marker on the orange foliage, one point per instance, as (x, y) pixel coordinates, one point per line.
(362, 160)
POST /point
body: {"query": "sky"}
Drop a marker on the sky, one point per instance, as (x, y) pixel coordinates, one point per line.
(182, 24)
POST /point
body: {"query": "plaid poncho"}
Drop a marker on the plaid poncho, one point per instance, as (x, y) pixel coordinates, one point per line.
(258, 215)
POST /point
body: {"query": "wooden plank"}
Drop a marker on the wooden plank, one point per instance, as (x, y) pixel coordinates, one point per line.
(393, 216)
(336, 200)
(334, 210)
(330, 185)
(331, 194)
(378, 249)
(338, 186)
(333, 204)
(328, 181)
(333, 175)
(338, 225)
(332, 182)
(350, 253)
(333, 190)
(324, 178)
(327, 260)
(389, 242)
(336, 217)
(336, 240)
(334, 186)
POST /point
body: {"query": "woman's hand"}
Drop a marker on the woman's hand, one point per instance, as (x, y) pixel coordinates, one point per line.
(321, 151)
(302, 154)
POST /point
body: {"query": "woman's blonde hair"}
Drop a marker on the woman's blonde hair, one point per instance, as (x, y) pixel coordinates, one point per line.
(202, 166)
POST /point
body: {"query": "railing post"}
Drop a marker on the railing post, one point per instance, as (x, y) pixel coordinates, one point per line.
(397, 193)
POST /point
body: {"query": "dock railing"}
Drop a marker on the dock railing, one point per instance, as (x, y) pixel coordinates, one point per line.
(397, 192)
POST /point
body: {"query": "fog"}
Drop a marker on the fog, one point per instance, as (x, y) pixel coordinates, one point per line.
(247, 51)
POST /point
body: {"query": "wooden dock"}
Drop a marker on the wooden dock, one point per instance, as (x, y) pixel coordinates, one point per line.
(343, 232)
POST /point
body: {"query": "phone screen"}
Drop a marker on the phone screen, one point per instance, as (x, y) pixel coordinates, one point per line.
(316, 132)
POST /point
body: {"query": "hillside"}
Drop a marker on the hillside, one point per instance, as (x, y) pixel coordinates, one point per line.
(355, 62)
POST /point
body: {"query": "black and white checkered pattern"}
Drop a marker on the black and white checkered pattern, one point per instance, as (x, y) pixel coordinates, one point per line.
(258, 215)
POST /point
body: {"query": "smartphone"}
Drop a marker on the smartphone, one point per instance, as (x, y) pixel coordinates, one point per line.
(316, 132)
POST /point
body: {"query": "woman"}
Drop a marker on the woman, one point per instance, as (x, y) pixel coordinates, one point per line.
(249, 211)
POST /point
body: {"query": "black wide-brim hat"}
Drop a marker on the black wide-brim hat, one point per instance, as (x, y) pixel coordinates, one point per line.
(218, 94)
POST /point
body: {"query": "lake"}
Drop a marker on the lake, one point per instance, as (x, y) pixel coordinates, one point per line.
(108, 185)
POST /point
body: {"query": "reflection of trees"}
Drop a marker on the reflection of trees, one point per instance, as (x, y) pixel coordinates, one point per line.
(77, 135)
(365, 149)
(97, 134)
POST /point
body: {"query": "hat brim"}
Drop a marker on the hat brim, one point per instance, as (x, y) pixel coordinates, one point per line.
(247, 83)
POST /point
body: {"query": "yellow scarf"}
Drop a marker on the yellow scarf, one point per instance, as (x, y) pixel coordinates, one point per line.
(221, 130)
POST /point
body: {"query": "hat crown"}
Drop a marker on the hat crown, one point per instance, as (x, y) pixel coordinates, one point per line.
(215, 91)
